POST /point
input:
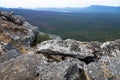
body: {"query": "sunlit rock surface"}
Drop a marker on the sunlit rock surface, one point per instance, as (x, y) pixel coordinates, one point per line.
(66, 47)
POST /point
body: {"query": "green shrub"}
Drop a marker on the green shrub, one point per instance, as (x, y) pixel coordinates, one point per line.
(40, 38)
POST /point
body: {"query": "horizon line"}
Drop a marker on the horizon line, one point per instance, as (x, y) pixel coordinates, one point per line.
(59, 7)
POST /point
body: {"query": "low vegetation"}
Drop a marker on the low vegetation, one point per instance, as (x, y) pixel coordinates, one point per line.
(40, 38)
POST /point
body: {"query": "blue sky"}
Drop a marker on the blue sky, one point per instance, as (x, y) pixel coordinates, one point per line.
(56, 3)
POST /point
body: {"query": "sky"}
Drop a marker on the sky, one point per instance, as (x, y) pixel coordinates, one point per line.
(56, 3)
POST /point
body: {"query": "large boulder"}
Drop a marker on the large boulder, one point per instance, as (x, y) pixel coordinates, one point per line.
(69, 69)
(111, 48)
(67, 47)
(107, 68)
(21, 68)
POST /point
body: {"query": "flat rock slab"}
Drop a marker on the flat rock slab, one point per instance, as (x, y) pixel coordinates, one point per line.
(67, 47)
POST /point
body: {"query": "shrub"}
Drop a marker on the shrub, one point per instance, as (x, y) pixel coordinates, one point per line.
(40, 38)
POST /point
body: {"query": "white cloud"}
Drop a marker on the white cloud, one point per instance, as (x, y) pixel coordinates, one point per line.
(56, 3)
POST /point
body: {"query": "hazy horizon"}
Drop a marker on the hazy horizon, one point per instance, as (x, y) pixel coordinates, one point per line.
(56, 3)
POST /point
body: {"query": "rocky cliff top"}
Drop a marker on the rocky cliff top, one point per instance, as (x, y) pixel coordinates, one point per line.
(28, 54)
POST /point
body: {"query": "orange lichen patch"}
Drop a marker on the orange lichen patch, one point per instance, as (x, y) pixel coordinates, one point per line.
(52, 58)
(21, 48)
(87, 45)
(106, 71)
(4, 38)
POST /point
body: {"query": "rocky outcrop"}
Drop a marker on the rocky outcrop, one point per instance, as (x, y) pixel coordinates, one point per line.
(79, 49)
(103, 67)
(54, 59)
(67, 47)
(12, 18)
(15, 28)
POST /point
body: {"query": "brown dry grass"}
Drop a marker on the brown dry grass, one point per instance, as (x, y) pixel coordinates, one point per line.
(20, 48)
(4, 38)
(12, 27)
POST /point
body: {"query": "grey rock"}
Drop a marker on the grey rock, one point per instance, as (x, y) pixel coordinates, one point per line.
(27, 25)
(31, 33)
(9, 55)
(19, 19)
(21, 68)
(107, 68)
(111, 48)
(64, 70)
(23, 33)
(67, 48)
(95, 44)
(7, 16)
(8, 47)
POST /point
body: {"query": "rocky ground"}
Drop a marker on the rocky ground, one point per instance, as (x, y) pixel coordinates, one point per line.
(54, 59)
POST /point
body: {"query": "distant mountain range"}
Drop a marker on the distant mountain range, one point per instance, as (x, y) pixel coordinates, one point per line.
(90, 9)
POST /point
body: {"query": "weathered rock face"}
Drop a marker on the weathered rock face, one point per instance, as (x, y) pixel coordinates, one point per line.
(19, 19)
(105, 69)
(64, 70)
(15, 28)
(111, 48)
(67, 47)
(79, 49)
(12, 18)
(21, 68)
(9, 55)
